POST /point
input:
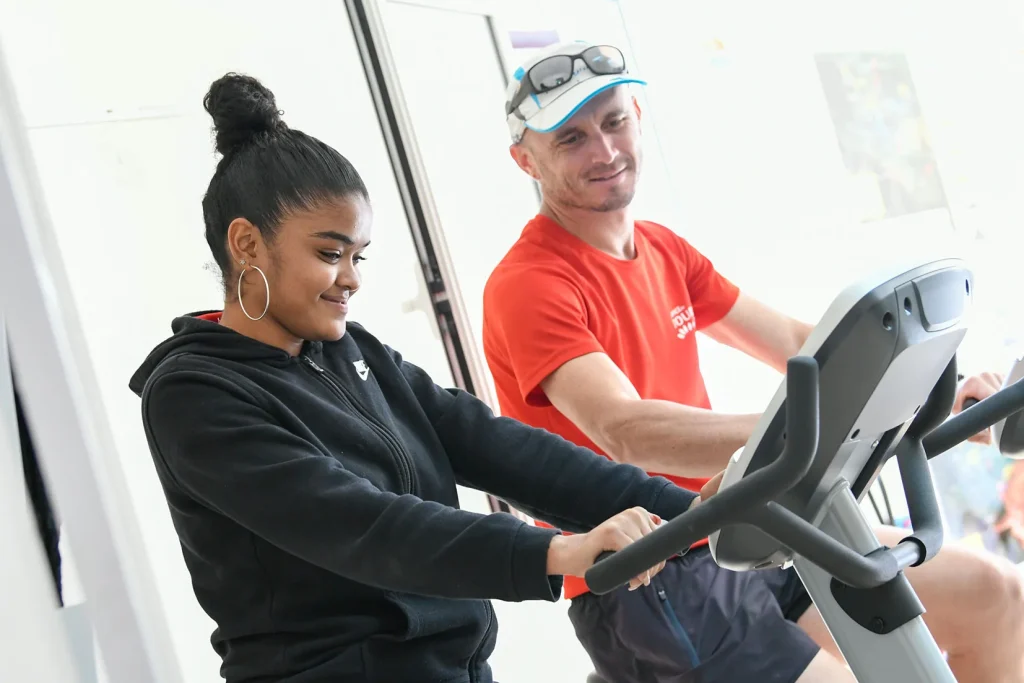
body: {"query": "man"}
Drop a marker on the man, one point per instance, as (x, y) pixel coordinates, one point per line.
(589, 332)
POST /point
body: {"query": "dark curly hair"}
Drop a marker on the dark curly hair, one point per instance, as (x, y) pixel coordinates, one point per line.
(268, 169)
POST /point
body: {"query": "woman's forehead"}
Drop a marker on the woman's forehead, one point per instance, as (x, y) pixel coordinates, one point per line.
(346, 220)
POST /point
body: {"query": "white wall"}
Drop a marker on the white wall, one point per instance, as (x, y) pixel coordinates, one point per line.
(754, 160)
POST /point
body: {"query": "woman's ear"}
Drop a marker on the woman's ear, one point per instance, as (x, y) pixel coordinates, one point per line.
(244, 240)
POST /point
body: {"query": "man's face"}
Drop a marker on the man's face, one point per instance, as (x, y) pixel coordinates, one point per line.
(592, 161)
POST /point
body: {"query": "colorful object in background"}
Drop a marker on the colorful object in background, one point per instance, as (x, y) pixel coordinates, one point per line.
(902, 522)
(524, 40)
(882, 133)
(719, 56)
(1011, 523)
(982, 497)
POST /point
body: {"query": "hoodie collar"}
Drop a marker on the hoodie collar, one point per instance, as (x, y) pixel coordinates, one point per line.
(201, 333)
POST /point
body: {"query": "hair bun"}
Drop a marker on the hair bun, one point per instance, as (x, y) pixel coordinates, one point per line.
(242, 108)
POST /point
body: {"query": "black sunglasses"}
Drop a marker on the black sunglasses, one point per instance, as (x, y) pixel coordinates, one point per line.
(549, 73)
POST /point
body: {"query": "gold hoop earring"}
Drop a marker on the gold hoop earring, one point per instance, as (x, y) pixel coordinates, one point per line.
(266, 284)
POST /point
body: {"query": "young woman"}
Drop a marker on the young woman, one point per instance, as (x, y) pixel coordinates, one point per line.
(311, 472)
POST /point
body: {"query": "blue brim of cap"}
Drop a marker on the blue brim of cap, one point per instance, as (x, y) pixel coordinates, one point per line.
(562, 109)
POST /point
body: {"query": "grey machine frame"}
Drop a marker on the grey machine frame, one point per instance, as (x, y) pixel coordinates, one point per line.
(876, 379)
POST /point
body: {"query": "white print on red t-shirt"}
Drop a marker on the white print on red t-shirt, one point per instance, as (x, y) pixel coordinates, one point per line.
(683, 321)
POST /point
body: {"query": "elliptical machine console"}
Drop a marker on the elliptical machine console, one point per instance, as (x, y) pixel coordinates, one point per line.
(876, 379)
(880, 349)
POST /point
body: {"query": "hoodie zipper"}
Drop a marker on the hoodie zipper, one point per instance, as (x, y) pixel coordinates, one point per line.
(402, 458)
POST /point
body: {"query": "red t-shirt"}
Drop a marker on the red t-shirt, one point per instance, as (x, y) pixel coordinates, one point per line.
(554, 297)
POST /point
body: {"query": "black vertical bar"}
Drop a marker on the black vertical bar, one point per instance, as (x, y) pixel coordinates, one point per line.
(35, 484)
(395, 142)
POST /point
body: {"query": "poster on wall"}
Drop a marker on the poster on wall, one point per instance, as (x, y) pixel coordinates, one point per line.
(882, 134)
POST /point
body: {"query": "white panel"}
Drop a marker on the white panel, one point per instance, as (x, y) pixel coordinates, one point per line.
(34, 646)
(125, 153)
(455, 99)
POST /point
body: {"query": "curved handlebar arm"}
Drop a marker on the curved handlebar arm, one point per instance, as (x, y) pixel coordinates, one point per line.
(753, 491)
(845, 564)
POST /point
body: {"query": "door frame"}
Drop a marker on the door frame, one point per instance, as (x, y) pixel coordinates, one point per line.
(469, 369)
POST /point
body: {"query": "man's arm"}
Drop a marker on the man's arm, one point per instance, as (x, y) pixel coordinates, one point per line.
(657, 436)
(662, 436)
(761, 332)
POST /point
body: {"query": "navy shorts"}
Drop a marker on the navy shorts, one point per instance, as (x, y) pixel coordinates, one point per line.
(698, 623)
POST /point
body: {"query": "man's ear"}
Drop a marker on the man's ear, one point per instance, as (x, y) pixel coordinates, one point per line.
(636, 106)
(524, 159)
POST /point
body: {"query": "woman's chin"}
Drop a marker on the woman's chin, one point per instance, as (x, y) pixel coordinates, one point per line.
(335, 331)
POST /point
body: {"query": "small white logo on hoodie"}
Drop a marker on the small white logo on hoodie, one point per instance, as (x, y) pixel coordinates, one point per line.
(362, 369)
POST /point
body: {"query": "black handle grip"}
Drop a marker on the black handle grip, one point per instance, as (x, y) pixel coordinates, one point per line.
(981, 416)
(749, 493)
(968, 402)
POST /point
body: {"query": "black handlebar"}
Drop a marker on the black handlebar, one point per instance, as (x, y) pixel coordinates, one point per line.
(753, 491)
(977, 416)
(749, 500)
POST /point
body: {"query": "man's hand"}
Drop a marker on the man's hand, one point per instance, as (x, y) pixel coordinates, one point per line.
(978, 387)
(709, 489)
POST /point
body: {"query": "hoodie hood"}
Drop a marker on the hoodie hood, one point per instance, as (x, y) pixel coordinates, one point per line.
(201, 333)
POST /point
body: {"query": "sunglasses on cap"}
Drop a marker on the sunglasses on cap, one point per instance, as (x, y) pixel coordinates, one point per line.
(556, 70)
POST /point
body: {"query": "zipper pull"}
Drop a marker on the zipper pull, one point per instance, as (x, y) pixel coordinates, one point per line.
(312, 364)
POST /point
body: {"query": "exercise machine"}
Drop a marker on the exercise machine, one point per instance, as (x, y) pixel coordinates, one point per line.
(876, 379)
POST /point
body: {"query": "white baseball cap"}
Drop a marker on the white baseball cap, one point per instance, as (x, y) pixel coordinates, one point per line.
(551, 86)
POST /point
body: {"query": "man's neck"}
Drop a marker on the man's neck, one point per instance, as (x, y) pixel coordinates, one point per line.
(607, 231)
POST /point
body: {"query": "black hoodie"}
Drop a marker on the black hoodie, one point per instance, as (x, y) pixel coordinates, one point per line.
(314, 498)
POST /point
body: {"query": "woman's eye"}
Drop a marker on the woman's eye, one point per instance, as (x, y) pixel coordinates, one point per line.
(358, 258)
(331, 256)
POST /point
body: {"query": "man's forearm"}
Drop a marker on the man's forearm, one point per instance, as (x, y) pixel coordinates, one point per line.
(670, 438)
